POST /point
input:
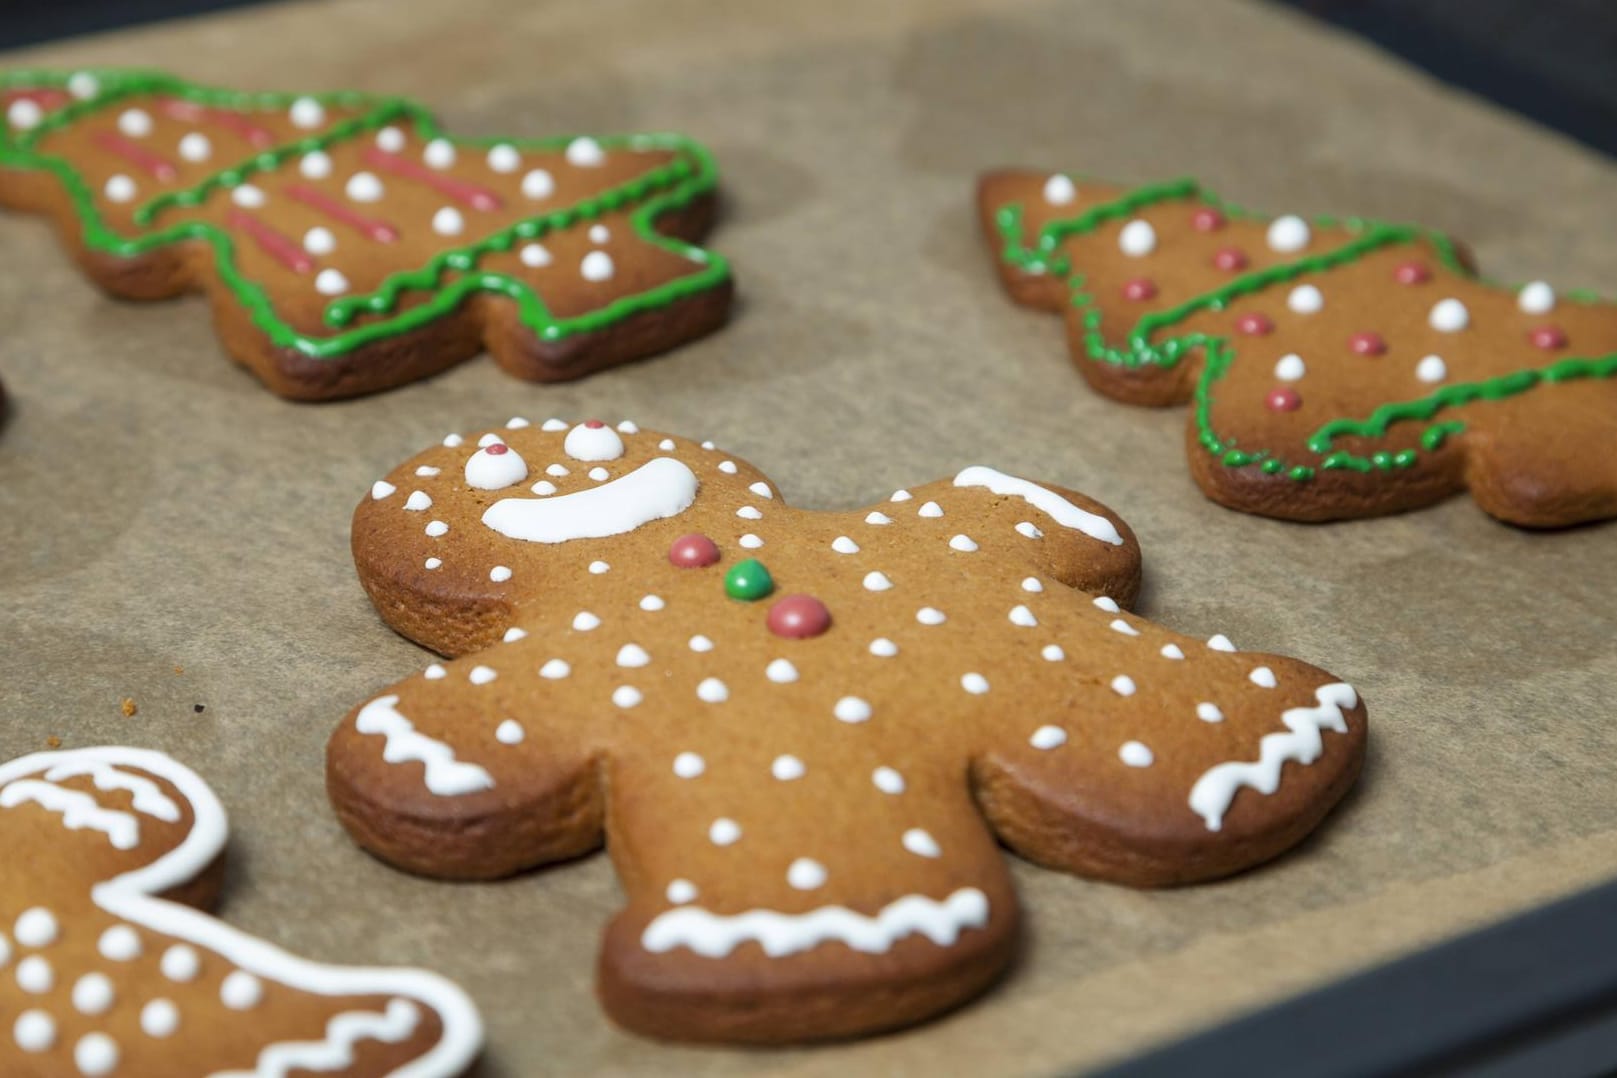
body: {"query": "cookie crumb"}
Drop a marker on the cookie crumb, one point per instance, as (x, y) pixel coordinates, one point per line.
(128, 707)
(179, 669)
(53, 742)
(199, 708)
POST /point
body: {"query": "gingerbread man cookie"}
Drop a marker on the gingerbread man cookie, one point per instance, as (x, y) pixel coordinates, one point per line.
(108, 966)
(800, 734)
(1337, 368)
(348, 245)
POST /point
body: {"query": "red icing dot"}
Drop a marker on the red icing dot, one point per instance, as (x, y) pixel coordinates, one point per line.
(1229, 259)
(1139, 289)
(1282, 399)
(494, 449)
(1207, 219)
(1367, 344)
(798, 616)
(1254, 325)
(594, 424)
(693, 552)
(1548, 338)
(1412, 273)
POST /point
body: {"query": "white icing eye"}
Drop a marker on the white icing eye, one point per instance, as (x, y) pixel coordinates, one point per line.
(495, 466)
(593, 440)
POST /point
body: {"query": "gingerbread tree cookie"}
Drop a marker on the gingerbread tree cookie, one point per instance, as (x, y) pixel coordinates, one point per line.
(1337, 368)
(800, 734)
(107, 966)
(349, 245)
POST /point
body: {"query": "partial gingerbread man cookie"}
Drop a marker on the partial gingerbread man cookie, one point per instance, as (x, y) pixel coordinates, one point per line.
(800, 734)
(110, 968)
(348, 245)
(1337, 368)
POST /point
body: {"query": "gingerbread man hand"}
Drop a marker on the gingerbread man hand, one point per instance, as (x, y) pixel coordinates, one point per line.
(110, 970)
(800, 733)
(1335, 368)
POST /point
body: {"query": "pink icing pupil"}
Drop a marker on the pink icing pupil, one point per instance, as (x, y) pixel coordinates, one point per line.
(497, 449)
(594, 424)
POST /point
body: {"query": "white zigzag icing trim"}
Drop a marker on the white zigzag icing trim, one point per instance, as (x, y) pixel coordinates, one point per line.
(336, 1052)
(147, 797)
(446, 775)
(1210, 797)
(79, 810)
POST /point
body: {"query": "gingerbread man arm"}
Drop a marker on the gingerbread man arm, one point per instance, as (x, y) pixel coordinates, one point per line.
(350, 245)
(114, 975)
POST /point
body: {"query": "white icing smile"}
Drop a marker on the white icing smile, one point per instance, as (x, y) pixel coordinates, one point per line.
(658, 489)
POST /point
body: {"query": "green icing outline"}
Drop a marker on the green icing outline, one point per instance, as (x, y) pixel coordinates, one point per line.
(1143, 348)
(691, 174)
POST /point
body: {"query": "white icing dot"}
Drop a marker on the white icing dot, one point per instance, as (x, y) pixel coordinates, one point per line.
(921, 843)
(1209, 713)
(762, 490)
(1137, 239)
(712, 691)
(1264, 677)
(136, 123)
(436, 529)
(632, 655)
(83, 85)
(1033, 584)
(1172, 651)
(315, 165)
(1059, 190)
(1305, 299)
(512, 635)
(538, 184)
(806, 874)
(681, 891)
(195, 147)
(180, 963)
(852, 709)
(1048, 737)
(35, 976)
(241, 991)
(1123, 685)
(247, 196)
(1290, 367)
(496, 469)
(626, 696)
(1021, 615)
(95, 1054)
(1029, 529)
(930, 509)
(975, 684)
(364, 187)
(1288, 234)
(724, 831)
(666, 445)
(509, 732)
(390, 139)
(877, 581)
(593, 444)
(584, 621)
(901, 496)
(708, 445)
(1135, 754)
(1431, 369)
(503, 157)
(787, 768)
(92, 994)
(599, 233)
(34, 1031)
(1536, 297)
(688, 765)
(557, 470)
(700, 643)
(24, 114)
(929, 615)
(1449, 316)
(330, 282)
(781, 672)
(878, 519)
(1053, 653)
(534, 255)
(307, 113)
(433, 563)
(453, 440)
(585, 153)
(482, 675)
(439, 153)
(963, 543)
(749, 512)
(1220, 642)
(435, 672)
(652, 603)
(1108, 604)
(843, 545)
(600, 475)
(418, 501)
(447, 221)
(319, 241)
(883, 648)
(119, 943)
(1120, 626)
(36, 927)
(596, 266)
(887, 780)
(750, 541)
(119, 188)
(544, 488)
(555, 670)
(159, 1018)
(427, 471)
(728, 467)
(599, 567)
(554, 425)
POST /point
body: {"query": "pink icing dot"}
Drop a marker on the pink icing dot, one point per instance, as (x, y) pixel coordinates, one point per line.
(1548, 338)
(1282, 399)
(693, 552)
(1412, 273)
(594, 424)
(1254, 325)
(495, 449)
(1207, 219)
(1229, 259)
(798, 616)
(1367, 344)
(1139, 289)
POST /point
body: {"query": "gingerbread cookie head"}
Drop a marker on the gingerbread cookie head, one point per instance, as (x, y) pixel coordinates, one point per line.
(349, 244)
(108, 968)
(800, 734)
(1336, 368)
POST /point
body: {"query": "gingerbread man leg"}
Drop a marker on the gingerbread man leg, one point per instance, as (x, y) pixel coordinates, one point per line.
(798, 731)
(112, 970)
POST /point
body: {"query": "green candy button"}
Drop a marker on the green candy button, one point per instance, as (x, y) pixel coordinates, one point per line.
(748, 580)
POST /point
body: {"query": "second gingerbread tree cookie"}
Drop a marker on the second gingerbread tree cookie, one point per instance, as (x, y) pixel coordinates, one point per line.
(349, 245)
(801, 734)
(1336, 368)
